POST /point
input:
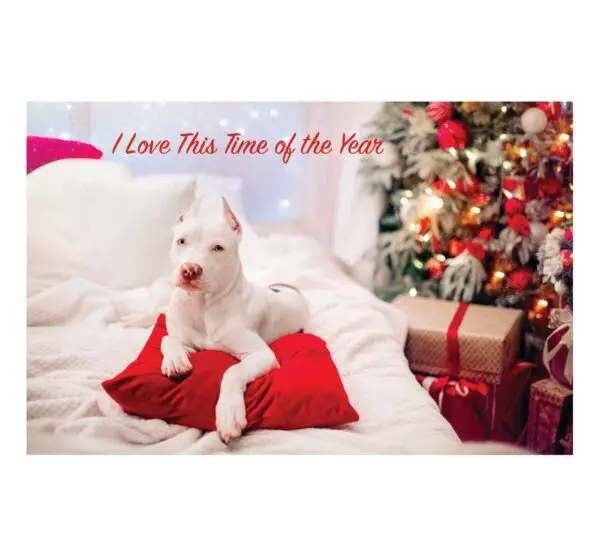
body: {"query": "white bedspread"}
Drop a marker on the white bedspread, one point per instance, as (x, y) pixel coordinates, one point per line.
(77, 338)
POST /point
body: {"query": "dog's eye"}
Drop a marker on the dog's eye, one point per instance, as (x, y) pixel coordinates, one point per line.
(181, 242)
(218, 247)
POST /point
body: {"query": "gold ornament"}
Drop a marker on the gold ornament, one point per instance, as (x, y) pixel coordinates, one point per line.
(540, 307)
(470, 106)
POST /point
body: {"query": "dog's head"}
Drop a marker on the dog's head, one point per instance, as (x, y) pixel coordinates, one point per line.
(205, 247)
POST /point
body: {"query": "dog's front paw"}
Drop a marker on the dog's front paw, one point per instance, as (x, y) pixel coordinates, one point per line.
(176, 363)
(230, 414)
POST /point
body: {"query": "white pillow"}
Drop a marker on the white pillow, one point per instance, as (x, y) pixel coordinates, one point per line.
(89, 219)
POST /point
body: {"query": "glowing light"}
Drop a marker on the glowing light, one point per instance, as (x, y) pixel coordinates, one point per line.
(440, 257)
(413, 227)
(499, 274)
(223, 122)
(542, 303)
(428, 191)
(564, 137)
(503, 137)
(274, 112)
(409, 193)
(417, 264)
(436, 202)
(475, 210)
(412, 292)
(423, 238)
(507, 165)
(403, 201)
(453, 151)
(253, 114)
(523, 153)
(559, 214)
(504, 109)
(508, 194)
(452, 184)
(470, 155)
(284, 204)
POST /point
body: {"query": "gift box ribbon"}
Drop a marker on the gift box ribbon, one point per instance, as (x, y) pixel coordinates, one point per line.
(452, 387)
(452, 345)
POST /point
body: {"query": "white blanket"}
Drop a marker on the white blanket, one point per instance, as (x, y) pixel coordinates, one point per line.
(77, 337)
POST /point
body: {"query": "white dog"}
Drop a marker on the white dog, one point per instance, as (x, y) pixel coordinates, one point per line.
(214, 307)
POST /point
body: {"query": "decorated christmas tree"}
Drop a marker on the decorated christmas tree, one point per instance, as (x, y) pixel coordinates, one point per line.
(478, 196)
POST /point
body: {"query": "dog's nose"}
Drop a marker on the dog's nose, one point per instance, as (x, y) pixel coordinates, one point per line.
(190, 271)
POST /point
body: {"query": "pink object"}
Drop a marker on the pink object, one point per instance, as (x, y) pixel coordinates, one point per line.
(439, 112)
(452, 134)
(43, 150)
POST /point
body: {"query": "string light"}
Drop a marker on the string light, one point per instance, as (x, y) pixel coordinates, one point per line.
(417, 264)
(508, 194)
(504, 109)
(403, 201)
(413, 227)
(507, 165)
(428, 191)
(423, 238)
(412, 292)
(435, 202)
(452, 184)
(503, 137)
(440, 257)
(475, 210)
(499, 274)
(564, 137)
(453, 151)
(559, 214)
(542, 303)
(523, 153)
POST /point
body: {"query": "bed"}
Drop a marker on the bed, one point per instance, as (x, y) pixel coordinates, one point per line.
(90, 310)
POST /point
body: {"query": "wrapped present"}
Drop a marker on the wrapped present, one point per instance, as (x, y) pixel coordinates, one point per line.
(479, 412)
(550, 423)
(467, 341)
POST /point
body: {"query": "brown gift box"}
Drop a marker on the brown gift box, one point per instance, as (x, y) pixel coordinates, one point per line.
(546, 401)
(488, 338)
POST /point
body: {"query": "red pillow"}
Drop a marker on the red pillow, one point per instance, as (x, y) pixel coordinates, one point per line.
(306, 391)
(43, 150)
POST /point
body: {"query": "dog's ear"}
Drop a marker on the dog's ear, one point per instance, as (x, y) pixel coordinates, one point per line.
(183, 214)
(231, 218)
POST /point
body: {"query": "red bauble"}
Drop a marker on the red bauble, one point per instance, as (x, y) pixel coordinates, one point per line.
(549, 186)
(561, 151)
(452, 134)
(486, 233)
(442, 186)
(519, 224)
(439, 112)
(567, 258)
(435, 268)
(455, 247)
(476, 249)
(551, 109)
(513, 206)
(519, 279)
(569, 234)
(482, 199)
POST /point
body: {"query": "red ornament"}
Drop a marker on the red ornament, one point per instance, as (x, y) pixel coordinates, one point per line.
(435, 268)
(486, 233)
(519, 224)
(550, 186)
(455, 247)
(515, 185)
(476, 249)
(561, 150)
(442, 186)
(569, 234)
(551, 109)
(439, 112)
(482, 199)
(513, 206)
(468, 186)
(567, 258)
(452, 134)
(519, 279)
